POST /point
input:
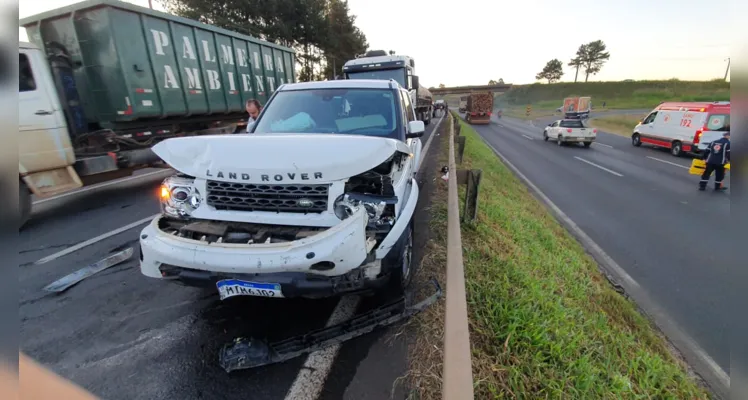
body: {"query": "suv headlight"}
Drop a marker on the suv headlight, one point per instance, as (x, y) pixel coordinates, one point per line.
(179, 197)
(375, 207)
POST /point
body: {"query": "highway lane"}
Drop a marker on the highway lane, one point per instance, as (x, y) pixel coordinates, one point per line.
(125, 336)
(648, 216)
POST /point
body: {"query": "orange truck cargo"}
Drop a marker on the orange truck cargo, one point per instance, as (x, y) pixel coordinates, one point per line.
(577, 107)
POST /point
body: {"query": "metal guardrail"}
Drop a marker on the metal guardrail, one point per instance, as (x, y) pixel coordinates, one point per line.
(457, 376)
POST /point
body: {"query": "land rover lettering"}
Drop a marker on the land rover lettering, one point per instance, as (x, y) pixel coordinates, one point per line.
(265, 177)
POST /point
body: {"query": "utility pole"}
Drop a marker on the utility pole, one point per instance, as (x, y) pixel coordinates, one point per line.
(150, 4)
(728, 68)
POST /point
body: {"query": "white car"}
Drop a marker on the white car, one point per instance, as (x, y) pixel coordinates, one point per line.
(317, 200)
(570, 131)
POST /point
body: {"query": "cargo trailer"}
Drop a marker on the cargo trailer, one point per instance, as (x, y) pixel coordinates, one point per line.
(102, 81)
(478, 108)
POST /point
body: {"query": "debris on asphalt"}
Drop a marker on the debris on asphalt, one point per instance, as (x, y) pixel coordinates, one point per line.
(245, 353)
(68, 281)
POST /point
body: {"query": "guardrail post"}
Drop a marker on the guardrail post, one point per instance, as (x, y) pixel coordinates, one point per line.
(460, 148)
(457, 375)
(471, 179)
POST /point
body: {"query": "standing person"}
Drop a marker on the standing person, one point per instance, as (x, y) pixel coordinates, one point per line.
(253, 108)
(716, 156)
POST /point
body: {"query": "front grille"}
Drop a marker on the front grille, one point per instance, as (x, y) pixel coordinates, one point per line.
(279, 197)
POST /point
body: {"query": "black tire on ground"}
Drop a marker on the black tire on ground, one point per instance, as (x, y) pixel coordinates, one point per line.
(560, 140)
(587, 144)
(636, 140)
(677, 149)
(24, 204)
(400, 261)
(545, 136)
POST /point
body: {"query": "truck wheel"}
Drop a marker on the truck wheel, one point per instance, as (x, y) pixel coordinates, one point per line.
(560, 140)
(636, 140)
(587, 144)
(545, 136)
(24, 204)
(677, 149)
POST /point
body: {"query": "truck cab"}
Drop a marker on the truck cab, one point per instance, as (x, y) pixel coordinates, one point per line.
(377, 64)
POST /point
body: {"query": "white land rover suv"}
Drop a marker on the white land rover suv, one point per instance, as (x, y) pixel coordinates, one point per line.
(315, 201)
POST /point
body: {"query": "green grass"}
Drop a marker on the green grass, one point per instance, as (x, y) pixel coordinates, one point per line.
(621, 124)
(544, 322)
(616, 95)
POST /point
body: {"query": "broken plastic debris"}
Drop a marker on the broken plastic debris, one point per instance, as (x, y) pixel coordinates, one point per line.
(68, 281)
(244, 353)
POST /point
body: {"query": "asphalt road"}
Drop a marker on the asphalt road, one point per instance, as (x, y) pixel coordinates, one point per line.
(643, 208)
(124, 336)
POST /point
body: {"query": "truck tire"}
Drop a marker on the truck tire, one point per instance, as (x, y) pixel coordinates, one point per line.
(24, 204)
(587, 144)
(560, 140)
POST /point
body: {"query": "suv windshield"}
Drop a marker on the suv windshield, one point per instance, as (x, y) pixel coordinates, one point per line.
(384, 74)
(370, 112)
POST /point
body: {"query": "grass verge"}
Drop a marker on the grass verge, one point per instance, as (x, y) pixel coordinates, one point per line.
(544, 321)
(621, 124)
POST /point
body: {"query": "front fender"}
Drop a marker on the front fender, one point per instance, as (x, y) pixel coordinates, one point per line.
(401, 224)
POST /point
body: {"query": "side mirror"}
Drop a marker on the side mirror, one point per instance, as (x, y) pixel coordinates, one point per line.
(550, 124)
(414, 81)
(415, 129)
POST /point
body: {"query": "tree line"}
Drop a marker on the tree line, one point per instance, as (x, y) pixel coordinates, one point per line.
(590, 58)
(322, 32)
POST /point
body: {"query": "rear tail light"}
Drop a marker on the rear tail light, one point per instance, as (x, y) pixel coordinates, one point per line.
(489, 114)
(568, 130)
(594, 131)
(697, 137)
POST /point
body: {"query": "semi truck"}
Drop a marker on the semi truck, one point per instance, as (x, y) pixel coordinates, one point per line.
(478, 108)
(377, 64)
(103, 81)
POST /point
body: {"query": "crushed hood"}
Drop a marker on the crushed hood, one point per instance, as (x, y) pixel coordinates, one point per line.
(316, 158)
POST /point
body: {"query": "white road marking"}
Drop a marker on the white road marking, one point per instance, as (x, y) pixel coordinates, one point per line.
(671, 329)
(602, 144)
(667, 162)
(598, 166)
(114, 182)
(94, 240)
(312, 376)
(528, 137)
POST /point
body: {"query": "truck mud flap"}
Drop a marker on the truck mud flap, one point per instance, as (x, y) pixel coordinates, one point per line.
(245, 353)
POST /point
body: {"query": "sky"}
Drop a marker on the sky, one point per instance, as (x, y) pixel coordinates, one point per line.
(469, 42)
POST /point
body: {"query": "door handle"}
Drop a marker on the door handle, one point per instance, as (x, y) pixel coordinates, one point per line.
(43, 112)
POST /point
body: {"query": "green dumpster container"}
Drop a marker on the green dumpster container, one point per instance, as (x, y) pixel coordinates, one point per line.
(132, 64)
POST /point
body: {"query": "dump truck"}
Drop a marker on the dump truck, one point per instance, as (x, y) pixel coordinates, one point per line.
(479, 107)
(377, 64)
(103, 81)
(577, 107)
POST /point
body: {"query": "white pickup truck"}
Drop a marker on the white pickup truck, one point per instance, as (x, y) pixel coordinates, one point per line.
(570, 131)
(315, 201)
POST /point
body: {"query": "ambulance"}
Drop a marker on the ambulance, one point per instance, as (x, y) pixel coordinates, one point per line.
(683, 127)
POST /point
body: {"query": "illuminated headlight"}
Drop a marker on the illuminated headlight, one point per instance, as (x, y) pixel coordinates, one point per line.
(347, 204)
(179, 197)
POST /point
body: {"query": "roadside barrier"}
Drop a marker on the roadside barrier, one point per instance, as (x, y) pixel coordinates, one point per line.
(457, 375)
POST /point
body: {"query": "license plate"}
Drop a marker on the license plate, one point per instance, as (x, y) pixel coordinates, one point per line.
(234, 287)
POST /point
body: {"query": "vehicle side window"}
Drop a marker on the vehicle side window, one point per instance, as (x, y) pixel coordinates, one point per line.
(408, 107)
(26, 82)
(650, 118)
(555, 124)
